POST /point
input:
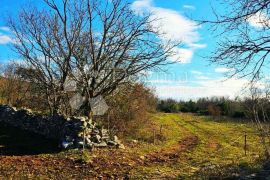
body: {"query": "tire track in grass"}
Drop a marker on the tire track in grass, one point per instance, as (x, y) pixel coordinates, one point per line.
(173, 153)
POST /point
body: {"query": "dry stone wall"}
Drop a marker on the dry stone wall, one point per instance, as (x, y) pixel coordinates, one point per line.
(74, 132)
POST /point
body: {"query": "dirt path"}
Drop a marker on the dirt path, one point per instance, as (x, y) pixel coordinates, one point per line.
(174, 152)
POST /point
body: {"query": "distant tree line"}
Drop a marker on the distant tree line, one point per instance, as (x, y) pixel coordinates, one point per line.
(215, 106)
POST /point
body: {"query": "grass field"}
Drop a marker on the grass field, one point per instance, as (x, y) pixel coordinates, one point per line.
(172, 146)
(217, 150)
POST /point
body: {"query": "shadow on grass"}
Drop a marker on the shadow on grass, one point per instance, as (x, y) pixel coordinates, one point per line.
(242, 171)
(224, 119)
(14, 141)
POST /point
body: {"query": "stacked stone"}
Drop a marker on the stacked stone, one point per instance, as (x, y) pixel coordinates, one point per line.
(49, 126)
(88, 134)
(74, 132)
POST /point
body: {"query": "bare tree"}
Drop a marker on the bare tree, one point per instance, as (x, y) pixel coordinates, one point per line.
(43, 44)
(258, 110)
(244, 31)
(98, 44)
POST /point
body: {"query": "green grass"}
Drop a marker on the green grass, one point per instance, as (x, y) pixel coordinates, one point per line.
(170, 130)
(220, 144)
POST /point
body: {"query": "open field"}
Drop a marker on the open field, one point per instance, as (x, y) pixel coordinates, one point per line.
(172, 146)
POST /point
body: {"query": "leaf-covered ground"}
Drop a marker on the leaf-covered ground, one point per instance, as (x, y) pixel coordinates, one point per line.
(173, 146)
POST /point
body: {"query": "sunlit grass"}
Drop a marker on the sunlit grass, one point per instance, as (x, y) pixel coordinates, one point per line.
(221, 143)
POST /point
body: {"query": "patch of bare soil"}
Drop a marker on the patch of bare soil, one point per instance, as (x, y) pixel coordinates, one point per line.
(173, 153)
(213, 145)
(34, 166)
(56, 168)
(104, 164)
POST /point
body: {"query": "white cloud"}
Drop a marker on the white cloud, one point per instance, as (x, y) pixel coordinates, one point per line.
(194, 45)
(4, 28)
(155, 82)
(5, 39)
(196, 72)
(182, 55)
(174, 26)
(201, 77)
(146, 73)
(189, 7)
(203, 88)
(259, 20)
(139, 4)
(223, 70)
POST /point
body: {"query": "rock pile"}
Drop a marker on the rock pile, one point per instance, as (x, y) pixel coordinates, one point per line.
(74, 132)
(88, 134)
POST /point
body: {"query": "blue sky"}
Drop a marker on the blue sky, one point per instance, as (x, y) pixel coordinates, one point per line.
(190, 78)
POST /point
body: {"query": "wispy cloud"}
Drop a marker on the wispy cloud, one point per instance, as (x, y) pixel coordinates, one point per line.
(189, 7)
(4, 28)
(5, 39)
(219, 87)
(173, 26)
(183, 55)
(201, 77)
(165, 82)
(194, 45)
(196, 72)
(223, 70)
(259, 20)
